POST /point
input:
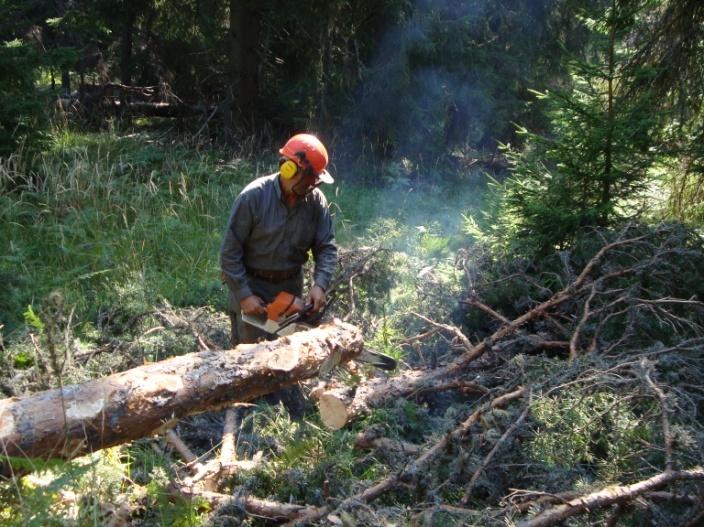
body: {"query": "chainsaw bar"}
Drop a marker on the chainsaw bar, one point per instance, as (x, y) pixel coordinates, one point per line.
(378, 360)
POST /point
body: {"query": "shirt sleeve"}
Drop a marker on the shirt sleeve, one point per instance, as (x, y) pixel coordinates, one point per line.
(232, 251)
(324, 248)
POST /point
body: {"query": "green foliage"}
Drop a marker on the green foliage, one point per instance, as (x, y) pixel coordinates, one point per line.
(309, 457)
(592, 169)
(33, 320)
(599, 429)
(683, 173)
(23, 106)
(386, 340)
(39, 498)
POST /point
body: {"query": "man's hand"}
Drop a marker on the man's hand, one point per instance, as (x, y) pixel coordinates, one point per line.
(253, 305)
(317, 298)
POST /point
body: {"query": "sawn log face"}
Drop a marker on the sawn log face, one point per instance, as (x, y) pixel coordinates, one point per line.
(135, 403)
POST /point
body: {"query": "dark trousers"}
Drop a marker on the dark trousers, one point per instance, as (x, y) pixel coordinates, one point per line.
(242, 333)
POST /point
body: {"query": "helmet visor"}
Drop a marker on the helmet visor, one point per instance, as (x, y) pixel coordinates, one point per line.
(323, 177)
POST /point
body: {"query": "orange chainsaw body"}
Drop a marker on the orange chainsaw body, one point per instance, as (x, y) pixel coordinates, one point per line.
(284, 315)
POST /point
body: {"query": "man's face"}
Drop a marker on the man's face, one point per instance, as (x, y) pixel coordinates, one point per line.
(305, 185)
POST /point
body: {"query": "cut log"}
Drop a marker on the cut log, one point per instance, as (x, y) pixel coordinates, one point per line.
(65, 423)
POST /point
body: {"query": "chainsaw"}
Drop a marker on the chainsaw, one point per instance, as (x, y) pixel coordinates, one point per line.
(287, 314)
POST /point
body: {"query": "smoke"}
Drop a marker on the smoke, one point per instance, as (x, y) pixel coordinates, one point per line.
(448, 77)
(443, 85)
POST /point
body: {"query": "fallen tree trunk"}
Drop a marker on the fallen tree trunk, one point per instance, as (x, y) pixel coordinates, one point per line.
(65, 423)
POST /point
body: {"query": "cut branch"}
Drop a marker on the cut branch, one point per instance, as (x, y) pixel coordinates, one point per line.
(470, 486)
(610, 496)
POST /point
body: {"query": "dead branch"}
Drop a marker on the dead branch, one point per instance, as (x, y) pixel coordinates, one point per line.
(409, 382)
(227, 451)
(251, 505)
(177, 444)
(519, 503)
(667, 434)
(372, 438)
(476, 303)
(454, 331)
(574, 341)
(352, 265)
(462, 386)
(509, 431)
(610, 496)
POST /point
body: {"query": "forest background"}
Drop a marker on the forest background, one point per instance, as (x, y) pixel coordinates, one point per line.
(485, 150)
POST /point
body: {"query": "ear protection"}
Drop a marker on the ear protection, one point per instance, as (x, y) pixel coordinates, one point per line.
(288, 169)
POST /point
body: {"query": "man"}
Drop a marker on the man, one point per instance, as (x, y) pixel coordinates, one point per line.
(275, 221)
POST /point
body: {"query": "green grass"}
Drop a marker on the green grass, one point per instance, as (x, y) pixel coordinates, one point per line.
(108, 219)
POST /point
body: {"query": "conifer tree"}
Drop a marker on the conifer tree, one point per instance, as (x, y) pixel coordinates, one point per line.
(590, 169)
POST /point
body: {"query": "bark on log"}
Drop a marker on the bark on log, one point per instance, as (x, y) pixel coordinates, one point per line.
(136, 403)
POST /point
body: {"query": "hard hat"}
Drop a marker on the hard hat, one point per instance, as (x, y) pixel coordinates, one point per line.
(308, 152)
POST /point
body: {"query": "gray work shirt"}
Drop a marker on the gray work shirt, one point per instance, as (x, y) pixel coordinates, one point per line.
(263, 233)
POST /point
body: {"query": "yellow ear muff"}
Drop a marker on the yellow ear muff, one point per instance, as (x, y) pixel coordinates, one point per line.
(288, 169)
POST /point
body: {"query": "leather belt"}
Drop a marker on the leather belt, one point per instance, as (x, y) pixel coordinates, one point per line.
(271, 275)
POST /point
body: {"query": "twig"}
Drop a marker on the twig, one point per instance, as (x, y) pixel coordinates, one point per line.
(486, 309)
(585, 316)
(466, 344)
(465, 386)
(41, 361)
(470, 486)
(667, 434)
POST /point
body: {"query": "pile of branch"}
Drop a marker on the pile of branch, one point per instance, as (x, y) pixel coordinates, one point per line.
(608, 291)
(144, 101)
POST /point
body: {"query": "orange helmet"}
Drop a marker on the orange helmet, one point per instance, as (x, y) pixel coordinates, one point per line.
(308, 152)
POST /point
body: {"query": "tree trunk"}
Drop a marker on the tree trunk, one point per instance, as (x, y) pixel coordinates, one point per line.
(244, 62)
(606, 197)
(126, 45)
(125, 406)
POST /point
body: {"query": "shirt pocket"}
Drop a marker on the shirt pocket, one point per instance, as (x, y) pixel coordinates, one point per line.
(303, 233)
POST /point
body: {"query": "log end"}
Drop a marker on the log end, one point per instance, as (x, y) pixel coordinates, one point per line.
(333, 411)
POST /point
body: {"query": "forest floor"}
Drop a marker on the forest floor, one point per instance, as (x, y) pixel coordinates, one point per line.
(529, 391)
